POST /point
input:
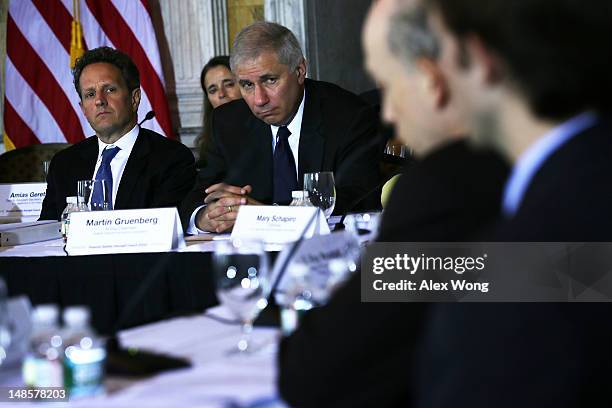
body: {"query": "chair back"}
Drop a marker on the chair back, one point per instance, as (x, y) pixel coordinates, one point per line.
(26, 163)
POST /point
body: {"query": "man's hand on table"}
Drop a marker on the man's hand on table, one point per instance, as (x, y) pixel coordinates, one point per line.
(222, 204)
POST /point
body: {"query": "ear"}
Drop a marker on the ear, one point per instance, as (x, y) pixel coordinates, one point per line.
(135, 99)
(434, 81)
(486, 61)
(300, 71)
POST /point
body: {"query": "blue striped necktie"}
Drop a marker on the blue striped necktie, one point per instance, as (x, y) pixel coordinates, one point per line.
(104, 173)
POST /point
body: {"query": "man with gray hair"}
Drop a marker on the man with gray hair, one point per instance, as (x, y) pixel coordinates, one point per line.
(285, 126)
(350, 353)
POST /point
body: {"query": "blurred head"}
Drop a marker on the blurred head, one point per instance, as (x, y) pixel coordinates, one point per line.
(218, 82)
(271, 70)
(550, 56)
(108, 85)
(401, 55)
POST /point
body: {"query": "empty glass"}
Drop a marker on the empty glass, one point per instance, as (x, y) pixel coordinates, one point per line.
(45, 165)
(240, 270)
(395, 150)
(322, 190)
(88, 189)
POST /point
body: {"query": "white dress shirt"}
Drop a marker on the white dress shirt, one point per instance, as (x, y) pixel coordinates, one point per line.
(126, 144)
(534, 157)
(295, 127)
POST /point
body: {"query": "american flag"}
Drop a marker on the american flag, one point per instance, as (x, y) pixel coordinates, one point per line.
(40, 102)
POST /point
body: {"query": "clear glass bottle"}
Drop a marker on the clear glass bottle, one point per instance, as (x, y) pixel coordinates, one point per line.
(42, 366)
(84, 354)
(71, 206)
(300, 199)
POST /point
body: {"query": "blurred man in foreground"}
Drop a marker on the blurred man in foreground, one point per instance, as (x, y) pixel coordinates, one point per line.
(285, 126)
(349, 353)
(144, 169)
(535, 90)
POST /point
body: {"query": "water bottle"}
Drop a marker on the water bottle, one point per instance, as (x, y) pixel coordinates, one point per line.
(5, 334)
(84, 355)
(42, 366)
(71, 206)
(300, 199)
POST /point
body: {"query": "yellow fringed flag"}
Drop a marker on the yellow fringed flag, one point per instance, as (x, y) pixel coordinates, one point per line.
(8, 144)
(76, 38)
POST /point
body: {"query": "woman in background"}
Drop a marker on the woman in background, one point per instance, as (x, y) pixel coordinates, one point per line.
(219, 85)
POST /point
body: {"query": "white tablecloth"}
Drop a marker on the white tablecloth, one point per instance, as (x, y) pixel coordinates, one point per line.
(215, 380)
(55, 248)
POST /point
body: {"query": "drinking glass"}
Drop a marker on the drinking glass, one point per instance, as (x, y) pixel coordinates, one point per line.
(395, 150)
(240, 270)
(85, 190)
(322, 190)
(45, 165)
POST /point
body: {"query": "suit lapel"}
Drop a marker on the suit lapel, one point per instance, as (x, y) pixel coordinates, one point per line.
(133, 169)
(261, 135)
(84, 168)
(312, 140)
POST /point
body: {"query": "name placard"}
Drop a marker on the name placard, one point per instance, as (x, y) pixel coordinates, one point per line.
(275, 224)
(326, 259)
(21, 201)
(124, 231)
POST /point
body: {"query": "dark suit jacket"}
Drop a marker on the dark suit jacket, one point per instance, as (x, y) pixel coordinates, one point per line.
(351, 354)
(533, 355)
(338, 134)
(158, 173)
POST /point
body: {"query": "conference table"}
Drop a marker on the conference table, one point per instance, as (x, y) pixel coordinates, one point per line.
(177, 282)
(216, 379)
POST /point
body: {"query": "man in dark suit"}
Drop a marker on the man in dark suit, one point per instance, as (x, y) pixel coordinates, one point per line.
(350, 353)
(285, 126)
(143, 169)
(536, 92)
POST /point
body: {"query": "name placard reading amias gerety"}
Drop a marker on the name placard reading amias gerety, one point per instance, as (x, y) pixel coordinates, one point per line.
(124, 231)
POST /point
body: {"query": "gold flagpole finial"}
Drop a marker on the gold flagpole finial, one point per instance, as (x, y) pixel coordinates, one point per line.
(76, 42)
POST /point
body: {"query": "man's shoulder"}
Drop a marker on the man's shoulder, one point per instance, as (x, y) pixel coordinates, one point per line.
(233, 110)
(81, 147)
(334, 94)
(161, 142)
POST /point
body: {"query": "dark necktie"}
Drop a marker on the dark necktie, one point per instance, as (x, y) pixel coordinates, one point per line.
(285, 177)
(104, 173)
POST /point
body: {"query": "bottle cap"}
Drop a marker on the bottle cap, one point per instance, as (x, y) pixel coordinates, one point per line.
(45, 314)
(76, 316)
(71, 200)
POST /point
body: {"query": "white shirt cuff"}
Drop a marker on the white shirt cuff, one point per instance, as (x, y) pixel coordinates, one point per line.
(192, 229)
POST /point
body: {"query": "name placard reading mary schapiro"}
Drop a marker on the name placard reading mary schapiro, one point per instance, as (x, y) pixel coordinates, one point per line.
(124, 231)
(275, 224)
(22, 201)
